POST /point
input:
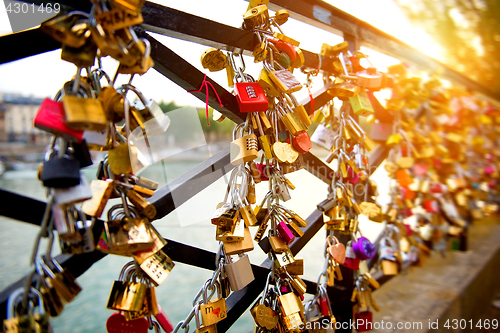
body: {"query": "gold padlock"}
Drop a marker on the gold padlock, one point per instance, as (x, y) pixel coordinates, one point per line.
(267, 84)
(84, 113)
(256, 17)
(361, 104)
(244, 149)
(119, 159)
(213, 59)
(242, 246)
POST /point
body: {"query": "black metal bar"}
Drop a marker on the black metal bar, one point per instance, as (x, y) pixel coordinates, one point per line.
(174, 23)
(327, 17)
(25, 44)
(12, 203)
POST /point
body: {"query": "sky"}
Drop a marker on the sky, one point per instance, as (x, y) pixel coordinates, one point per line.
(43, 75)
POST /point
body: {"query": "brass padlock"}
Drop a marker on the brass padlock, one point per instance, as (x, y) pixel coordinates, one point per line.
(126, 295)
(243, 149)
(119, 159)
(69, 29)
(213, 59)
(245, 245)
(84, 113)
(255, 17)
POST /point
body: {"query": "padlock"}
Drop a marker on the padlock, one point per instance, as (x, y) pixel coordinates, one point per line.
(35, 320)
(163, 320)
(239, 272)
(278, 244)
(70, 29)
(336, 250)
(243, 149)
(141, 204)
(61, 279)
(361, 104)
(199, 327)
(285, 232)
(284, 259)
(73, 194)
(250, 97)
(140, 51)
(126, 295)
(364, 249)
(112, 104)
(343, 91)
(101, 192)
(289, 304)
(284, 152)
(267, 84)
(370, 78)
(119, 159)
(302, 142)
(60, 172)
(149, 308)
(283, 79)
(231, 233)
(212, 311)
(213, 59)
(291, 120)
(127, 235)
(245, 245)
(84, 113)
(351, 261)
(50, 118)
(255, 17)
(51, 299)
(263, 315)
(117, 323)
(226, 215)
(158, 266)
(246, 212)
(83, 56)
(364, 321)
(117, 18)
(147, 113)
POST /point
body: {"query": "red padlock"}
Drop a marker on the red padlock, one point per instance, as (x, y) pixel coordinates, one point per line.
(364, 321)
(163, 320)
(302, 142)
(323, 307)
(288, 48)
(264, 171)
(431, 206)
(116, 323)
(250, 97)
(50, 118)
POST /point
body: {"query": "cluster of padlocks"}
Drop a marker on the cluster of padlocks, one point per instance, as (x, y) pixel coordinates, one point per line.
(438, 139)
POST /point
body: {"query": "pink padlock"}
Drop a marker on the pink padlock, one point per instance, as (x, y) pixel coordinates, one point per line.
(488, 170)
(409, 231)
(163, 320)
(285, 233)
(352, 177)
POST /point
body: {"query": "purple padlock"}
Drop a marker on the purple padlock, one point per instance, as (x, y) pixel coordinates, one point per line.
(285, 233)
(364, 249)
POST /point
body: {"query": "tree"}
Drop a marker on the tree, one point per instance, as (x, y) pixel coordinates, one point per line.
(468, 30)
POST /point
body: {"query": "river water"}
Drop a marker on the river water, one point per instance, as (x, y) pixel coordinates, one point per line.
(189, 224)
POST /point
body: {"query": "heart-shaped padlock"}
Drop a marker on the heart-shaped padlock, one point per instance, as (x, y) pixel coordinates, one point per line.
(364, 249)
(302, 142)
(336, 250)
(117, 324)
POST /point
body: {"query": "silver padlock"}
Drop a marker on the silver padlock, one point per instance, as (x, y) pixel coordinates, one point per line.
(283, 191)
(84, 229)
(73, 194)
(63, 222)
(323, 136)
(239, 273)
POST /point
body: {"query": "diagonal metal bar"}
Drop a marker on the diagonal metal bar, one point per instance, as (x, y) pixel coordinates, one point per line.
(327, 17)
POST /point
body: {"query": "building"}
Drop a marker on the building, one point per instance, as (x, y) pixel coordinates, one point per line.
(16, 120)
